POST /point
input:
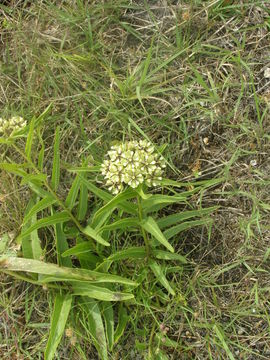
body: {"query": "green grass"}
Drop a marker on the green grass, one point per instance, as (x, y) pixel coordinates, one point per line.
(189, 75)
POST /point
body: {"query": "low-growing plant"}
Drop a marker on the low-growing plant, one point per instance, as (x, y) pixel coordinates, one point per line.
(98, 235)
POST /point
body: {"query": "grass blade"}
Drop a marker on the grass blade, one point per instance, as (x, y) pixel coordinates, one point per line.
(29, 140)
(56, 160)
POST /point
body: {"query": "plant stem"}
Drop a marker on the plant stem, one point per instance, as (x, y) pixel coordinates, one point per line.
(144, 234)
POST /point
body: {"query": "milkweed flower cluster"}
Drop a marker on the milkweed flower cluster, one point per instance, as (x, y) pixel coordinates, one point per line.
(15, 123)
(131, 164)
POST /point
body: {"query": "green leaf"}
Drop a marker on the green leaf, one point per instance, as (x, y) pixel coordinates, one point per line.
(130, 253)
(121, 224)
(62, 306)
(73, 193)
(61, 245)
(58, 273)
(56, 160)
(165, 255)
(39, 190)
(34, 178)
(112, 204)
(31, 244)
(151, 227)
(84, 169)
(104, 195)
(157, 202)
(98, 293)
(184, 226)
(202, 183)
(122, 323)
(79, 249)
(4, 240)
(184, 215)
(39, 206)
(89, 231)
(109, 323)
(43, 114)
(83, 202)
(161, 277)
(96, 328)
(47, 221)
(14, 168)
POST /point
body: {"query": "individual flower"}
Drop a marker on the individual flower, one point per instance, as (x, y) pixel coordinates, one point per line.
(131, 164)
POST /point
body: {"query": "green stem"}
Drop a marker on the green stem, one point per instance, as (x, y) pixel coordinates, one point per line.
(144, 234)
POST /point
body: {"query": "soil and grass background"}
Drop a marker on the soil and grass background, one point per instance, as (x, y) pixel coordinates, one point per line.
(193, 75)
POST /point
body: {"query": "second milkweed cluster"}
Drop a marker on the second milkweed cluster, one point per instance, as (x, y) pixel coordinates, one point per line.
(131, 164)
(15, 123)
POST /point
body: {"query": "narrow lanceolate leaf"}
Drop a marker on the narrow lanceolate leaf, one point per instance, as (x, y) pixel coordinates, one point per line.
(31, 244)
(56, 160)
(61, 245)
(57, 273)
(161, 277)
(122, 323)
(98, 293)
(109, 323)
(157, 202)
(104, 195)
(121, 224)
(14, 168)
(94, 235)
(39, 206)
(47, 221)
(151, 227)
(165, 255)
(84, 247)
(184, 215)
(73, 193)
(112, 204)
(203, 183)
(184, 226)
(130, 253)
(96, 327)
(83, 202)
(84, 169)
(60, 314)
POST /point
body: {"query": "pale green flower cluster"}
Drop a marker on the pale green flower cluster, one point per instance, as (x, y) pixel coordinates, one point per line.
(15, 123)
(131, 164)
